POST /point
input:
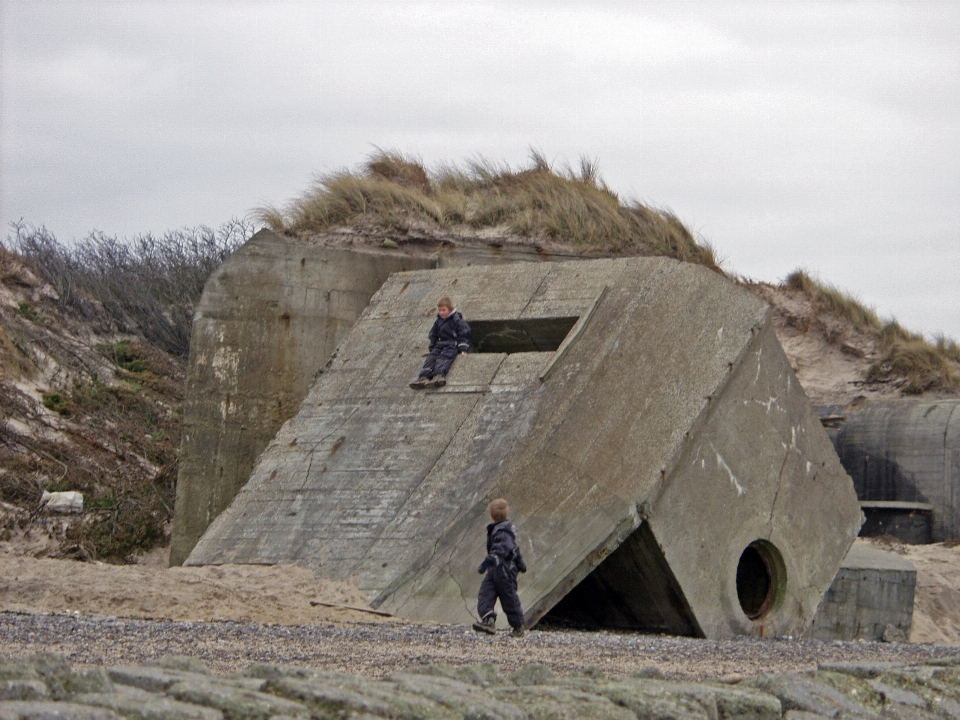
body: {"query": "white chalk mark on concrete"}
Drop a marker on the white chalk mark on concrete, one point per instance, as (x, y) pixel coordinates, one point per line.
(768, 404)
(721, 463)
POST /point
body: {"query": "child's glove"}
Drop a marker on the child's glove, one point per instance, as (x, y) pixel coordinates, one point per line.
(488, 562)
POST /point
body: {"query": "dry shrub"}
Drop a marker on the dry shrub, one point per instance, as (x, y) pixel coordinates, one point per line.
(116, 442)
(398, 169)
(14, 362)
(827, 298)
(115, 435)
(904, 356)
(147, 285)
(948, 347)
(393, 191)
(922, 365)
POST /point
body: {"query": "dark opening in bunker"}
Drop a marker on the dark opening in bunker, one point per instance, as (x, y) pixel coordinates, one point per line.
(761, 577)
(632, 588)
(514, 336)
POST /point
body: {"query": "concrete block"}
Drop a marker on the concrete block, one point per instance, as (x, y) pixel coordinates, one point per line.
(872, 590)
(664, 452)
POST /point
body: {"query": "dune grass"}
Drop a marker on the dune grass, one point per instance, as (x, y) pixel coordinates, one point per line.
(906, 356)
(396, 193)
(393, 191)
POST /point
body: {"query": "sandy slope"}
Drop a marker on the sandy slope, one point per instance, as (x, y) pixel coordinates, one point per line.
(243, 593)
(936, 605)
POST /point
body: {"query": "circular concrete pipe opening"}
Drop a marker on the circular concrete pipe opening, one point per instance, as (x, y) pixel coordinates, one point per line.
(761, 579)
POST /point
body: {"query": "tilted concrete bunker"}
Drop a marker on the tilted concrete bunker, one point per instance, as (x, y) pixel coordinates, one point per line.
(639, 415)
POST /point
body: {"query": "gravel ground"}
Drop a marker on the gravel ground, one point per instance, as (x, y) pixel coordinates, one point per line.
(384, 648)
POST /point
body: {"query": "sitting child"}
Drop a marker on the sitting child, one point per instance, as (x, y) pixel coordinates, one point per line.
(449, 336)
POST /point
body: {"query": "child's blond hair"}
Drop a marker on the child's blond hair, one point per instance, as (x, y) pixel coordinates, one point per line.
(498, 510)
(445, 302)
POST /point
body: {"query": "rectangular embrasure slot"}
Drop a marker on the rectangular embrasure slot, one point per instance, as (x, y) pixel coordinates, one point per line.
(516, 336)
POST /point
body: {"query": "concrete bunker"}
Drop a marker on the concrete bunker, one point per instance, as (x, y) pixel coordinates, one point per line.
(904, 459)
(658, 450)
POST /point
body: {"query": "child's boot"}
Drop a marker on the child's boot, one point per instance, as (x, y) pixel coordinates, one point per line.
(438, 382)
(487, 624)
(518, 632)
(420, 383)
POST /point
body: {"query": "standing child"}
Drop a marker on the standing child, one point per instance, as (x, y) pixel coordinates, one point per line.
(501, 564)
(449, 336)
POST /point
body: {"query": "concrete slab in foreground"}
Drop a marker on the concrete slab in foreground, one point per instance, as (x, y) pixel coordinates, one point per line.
(665, 469)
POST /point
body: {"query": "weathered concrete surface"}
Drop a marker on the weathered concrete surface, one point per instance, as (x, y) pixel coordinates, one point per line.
(871, 598)
(906, 451)
(836, 690)
(670, 410)
(269, 319)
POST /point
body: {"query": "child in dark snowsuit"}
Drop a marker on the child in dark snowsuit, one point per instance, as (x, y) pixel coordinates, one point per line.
(449, 336)
(502, 563)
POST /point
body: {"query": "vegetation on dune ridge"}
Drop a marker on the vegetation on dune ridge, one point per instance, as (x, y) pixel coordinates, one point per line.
(101, 329)
(392, 191)
(147, 285)
(904, 355)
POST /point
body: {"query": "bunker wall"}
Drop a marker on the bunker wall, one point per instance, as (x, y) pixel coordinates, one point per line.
(776, 489)
(871, 598)
(268, 320)
(906, 451)
(668, 409)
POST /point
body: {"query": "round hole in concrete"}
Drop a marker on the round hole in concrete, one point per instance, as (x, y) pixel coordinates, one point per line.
(761, 579)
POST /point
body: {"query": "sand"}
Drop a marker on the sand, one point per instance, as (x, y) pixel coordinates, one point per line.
(282, 594)
(241, 593)
(936, 604)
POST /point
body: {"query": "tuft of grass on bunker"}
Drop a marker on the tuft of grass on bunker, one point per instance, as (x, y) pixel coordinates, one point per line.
(393, 192)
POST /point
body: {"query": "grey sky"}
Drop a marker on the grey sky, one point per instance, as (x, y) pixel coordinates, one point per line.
(815, 134)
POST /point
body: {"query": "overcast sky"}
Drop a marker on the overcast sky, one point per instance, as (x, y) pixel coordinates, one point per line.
(814, 134)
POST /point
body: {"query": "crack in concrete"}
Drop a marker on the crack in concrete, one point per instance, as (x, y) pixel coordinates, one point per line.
(536, 292)
(776, 495)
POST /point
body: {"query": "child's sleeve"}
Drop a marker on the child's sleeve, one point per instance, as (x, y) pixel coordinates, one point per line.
(518, 560)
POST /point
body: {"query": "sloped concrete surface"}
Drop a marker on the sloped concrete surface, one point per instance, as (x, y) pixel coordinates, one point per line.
(269, 319)
(670, 404)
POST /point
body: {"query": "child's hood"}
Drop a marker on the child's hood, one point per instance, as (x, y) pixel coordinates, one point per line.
(502, 526)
